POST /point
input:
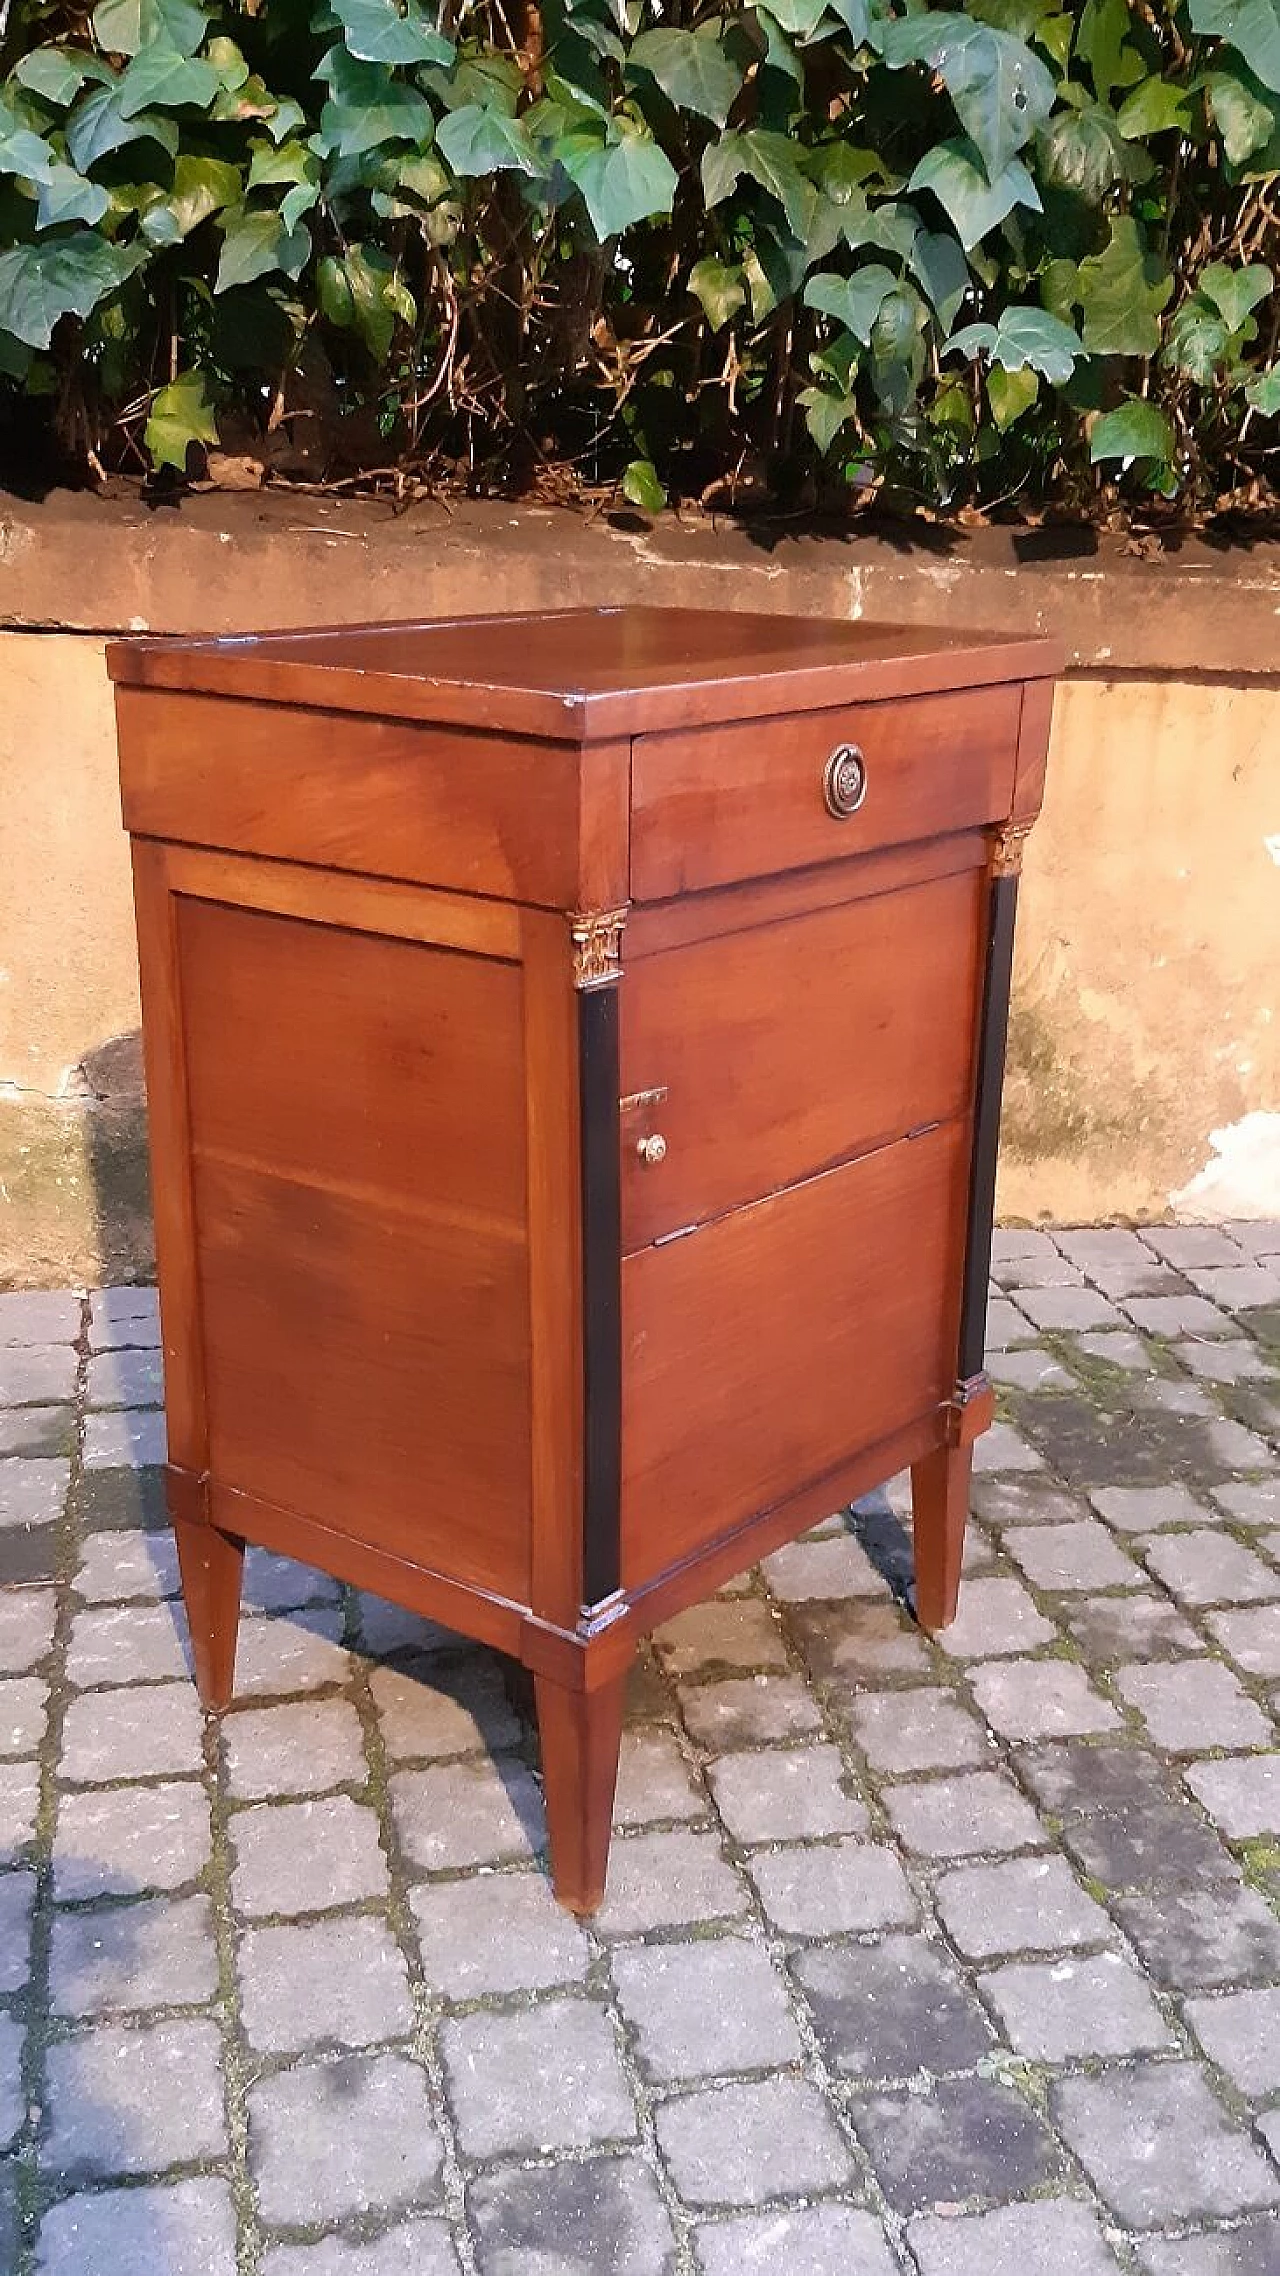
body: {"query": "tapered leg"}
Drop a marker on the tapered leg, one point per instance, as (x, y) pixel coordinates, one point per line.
(581, 1732)
(939, 1512)
(211, 1565)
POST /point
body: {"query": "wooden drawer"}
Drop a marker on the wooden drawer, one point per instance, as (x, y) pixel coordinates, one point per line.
(793, 1046)
(712, 804)
(767, 1349)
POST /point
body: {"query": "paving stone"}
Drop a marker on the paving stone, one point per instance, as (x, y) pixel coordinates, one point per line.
(301, 1857)
(299, 1749)
(1201, 1938)
(152, 1731)
(126, 1438)
(858, 1645)
(1159, 2148)
(968, 2137)
(1022, 1501)
(281, 1584)
(17, 1895)
(38, 1315)
(793, 1794)
(19, 1801)
(1250, 1502)
(157, 1953)
(1095, 2004)
(963, 1817)
(126, 1377)
(654, 1781)
(892, 2009)
(467, 1813)
(744, 2143)
(1001, 1449)
(1012, 1243)
(34, 1375)
(1068, 1309)
(121, 2100)
(1209, 1567)
(1040, 1699)
(32, 1491)
(1251, 1639)
(1243, 1798)
(121, 1841)
(1006, 1325)
(339, 1980)
(806, 1571)
(1238, 1287)
(808, 2240)
(129, 1643)
(26, 1627)
(701, 2009)
(1109, 1629)
(411, 2248)
(1225, 1362)
(1177, 1316)
(1190, 1705)
(37, 1434)
(1241, 2034)
(185, 2229)
(602, 2214)
(842, 1888)
(748, 1711)
(444, 1707)
(497, 1933)
(115, 1566)
(1252, 2249)
(1048, 1268)
(1123, 1350)
(1028, 1369)
(924, 1729)
(23, 1702)
(278, 1653)
(546, 2078)
(327, 2140)
(1121, 1815)
(391, 1629)
(996, 1618)
(1159, 1395)
(13, 2103)
(668, 1880)
(1082, 1555)
(1198, 1245)
(1057, 2237)
(123, 1501)
(729, 1636)
(1023, 1904)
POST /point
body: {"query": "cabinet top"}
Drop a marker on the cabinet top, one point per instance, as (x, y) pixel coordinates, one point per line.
(574, 674)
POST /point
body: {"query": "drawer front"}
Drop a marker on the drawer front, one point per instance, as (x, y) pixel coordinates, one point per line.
(764, 1351)
(718, 803)
(793, 1046)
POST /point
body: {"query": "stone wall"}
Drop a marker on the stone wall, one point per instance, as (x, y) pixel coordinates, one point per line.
(1144, 1017)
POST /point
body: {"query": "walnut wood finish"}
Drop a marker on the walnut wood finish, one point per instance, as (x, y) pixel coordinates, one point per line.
(439, 927)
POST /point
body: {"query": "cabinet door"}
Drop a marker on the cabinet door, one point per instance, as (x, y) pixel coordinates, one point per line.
(765, 1350)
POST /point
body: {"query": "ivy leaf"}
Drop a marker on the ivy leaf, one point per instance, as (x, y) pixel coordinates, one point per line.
(937, 259)
(479, 139)
(57, 74)
(22, 153)
(692, 70)
(96, 127)
(800, 18)
(361, 292)
(67, 196)
(1023, 338)
(1101, 40)
(1010, 393)
(254, 244)
(1243, 120)
(1082, 151)
(624, 182)
(897, 349)
(854, 301)
(1121, 293)
(825, 414)
(1235, 293)
(1138, 429)
(1000, 89)
(376, 32)
(161, 74)
(180, 414)
(59, 276)
(769, 159)
(367, 108)
(1252, 27)
(201, 187)
(855, 15)
(1263, 391)
(1153, 108)
(721, 289)
(974, 205)
(126, 27)
(640, 486)
(1198, 343)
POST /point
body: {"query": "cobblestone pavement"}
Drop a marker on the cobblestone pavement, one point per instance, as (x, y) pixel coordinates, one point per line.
(956, 1960)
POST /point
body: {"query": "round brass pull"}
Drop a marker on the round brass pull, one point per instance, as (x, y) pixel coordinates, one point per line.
(844, 782)
(652, 1150)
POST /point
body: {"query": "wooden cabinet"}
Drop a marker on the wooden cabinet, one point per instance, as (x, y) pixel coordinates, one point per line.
(574, 1048)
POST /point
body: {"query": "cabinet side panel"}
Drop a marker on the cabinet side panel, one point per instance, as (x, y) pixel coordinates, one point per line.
(764, 1350)
(357, 1133)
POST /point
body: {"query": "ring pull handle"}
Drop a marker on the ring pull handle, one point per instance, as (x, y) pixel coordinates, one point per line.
(844, 781)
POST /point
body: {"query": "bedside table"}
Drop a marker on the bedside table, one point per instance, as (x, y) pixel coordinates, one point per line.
(574, 1047)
